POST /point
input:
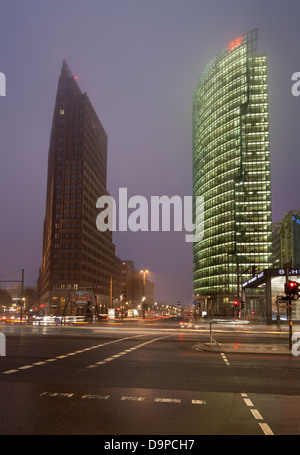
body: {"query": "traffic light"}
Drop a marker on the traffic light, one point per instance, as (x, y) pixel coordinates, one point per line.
(236, 304)
(254, 270)
(291, 289)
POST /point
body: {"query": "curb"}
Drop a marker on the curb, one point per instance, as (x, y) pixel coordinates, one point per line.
(245, 348)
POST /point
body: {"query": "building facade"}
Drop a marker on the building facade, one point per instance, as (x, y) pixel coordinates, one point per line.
(231, 171)
(76, 256)
(265, 297)
(286, 240)
(133, 289)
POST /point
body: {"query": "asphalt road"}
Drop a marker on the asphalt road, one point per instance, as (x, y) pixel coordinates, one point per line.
(144, 379)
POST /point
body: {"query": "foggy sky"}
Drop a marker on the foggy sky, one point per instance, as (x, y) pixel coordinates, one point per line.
(139, 62)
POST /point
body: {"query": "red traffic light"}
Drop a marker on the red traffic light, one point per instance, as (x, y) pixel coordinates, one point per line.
(236, 302)
(291, 289)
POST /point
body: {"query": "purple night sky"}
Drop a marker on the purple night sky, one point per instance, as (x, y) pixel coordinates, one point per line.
(138, 61)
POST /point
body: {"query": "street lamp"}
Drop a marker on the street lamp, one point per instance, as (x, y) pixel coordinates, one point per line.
(144, 290)
(121, 306)
(22, 303)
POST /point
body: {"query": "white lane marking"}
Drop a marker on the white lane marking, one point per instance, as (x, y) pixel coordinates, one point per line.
(225, 359)
(123, 398)
(266, 429)
(256, 414)
(167, 400)
(56, 394)
(25, 367)
(96, 397)
(248, 402)
(119, 354)
(198, 402)
(132, 398)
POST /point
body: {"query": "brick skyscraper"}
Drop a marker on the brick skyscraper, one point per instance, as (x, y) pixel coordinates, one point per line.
(75, 254)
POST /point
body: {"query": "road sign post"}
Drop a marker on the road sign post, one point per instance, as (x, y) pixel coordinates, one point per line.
(291, 291)
(290, 324)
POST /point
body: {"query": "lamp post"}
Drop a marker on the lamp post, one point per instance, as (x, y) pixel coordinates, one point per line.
(121, 306)
(22, 303)
(144, 291)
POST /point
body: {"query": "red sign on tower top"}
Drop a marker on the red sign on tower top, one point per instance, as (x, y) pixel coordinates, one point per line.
(235, 43)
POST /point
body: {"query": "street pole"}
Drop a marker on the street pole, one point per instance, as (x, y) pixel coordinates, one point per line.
(22, 283)
(96, 304)
(110, 293)
(290, 324)
(144, 291)
(238, 281)
(121, 306)
(22, 294)
(289, 311)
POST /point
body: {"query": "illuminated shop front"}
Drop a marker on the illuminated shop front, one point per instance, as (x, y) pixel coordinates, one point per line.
(264, 296)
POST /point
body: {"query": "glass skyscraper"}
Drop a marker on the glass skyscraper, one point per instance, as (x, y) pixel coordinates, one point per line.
(231, 171)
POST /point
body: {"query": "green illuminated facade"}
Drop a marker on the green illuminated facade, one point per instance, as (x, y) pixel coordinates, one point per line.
(231, 157)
